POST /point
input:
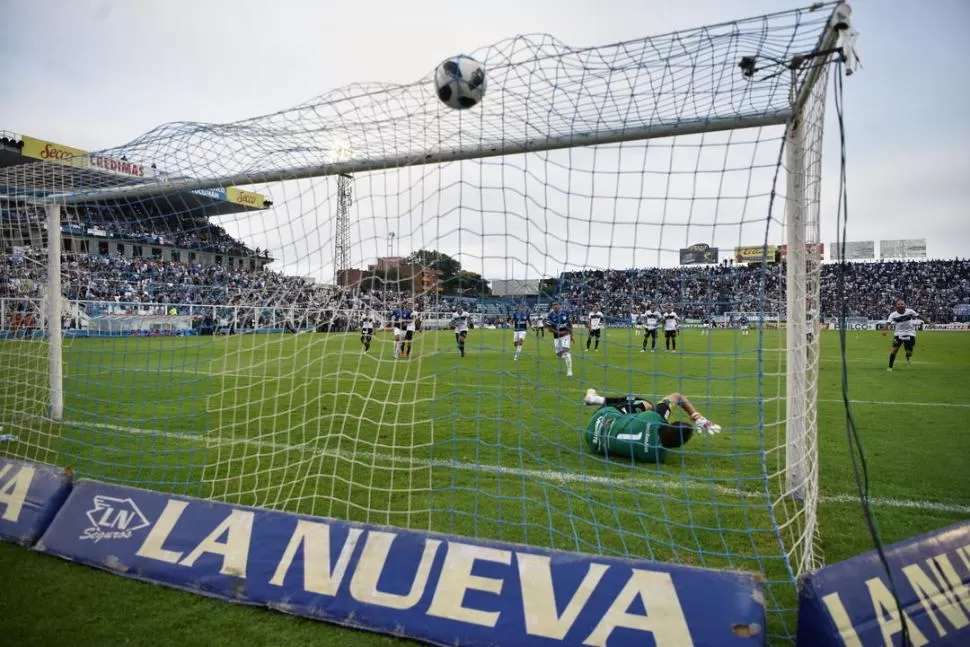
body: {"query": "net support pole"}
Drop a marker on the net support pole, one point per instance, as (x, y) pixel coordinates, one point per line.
(797, 465)
(54, 301)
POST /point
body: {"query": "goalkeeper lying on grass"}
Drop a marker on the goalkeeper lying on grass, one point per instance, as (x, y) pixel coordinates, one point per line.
(636, 428)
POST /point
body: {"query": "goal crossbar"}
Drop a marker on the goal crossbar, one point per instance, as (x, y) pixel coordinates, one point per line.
(499, 149)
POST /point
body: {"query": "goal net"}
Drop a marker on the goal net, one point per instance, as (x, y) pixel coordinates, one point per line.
(221, 316)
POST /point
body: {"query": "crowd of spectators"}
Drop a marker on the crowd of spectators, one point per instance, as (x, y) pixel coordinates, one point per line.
(933, 288)
(695, 291)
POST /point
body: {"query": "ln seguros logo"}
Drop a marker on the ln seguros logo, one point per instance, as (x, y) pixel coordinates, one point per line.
(113, 518)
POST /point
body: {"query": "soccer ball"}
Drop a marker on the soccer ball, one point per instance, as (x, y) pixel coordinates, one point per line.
(460, 82)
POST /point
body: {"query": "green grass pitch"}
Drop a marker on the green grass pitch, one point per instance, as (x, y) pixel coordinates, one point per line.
(480, 446)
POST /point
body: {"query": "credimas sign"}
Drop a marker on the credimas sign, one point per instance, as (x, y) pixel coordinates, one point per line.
(46, 151)
(77, 158)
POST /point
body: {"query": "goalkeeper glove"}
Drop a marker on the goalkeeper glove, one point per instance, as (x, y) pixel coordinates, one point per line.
(706, 426)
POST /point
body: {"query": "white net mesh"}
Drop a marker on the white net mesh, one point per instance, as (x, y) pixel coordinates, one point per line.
(216, 338)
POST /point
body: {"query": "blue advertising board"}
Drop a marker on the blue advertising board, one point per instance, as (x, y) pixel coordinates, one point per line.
(441, 589)
(30, 495)
(851, 603)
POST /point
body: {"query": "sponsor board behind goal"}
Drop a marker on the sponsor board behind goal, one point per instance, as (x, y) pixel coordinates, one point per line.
(950, 327)
(30, 496)
(437, 588)
(854, 604)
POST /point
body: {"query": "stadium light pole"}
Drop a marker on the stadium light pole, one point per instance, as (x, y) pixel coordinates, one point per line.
(342, 235)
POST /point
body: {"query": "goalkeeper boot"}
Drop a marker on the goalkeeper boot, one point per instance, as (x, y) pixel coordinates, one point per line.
(593, 398)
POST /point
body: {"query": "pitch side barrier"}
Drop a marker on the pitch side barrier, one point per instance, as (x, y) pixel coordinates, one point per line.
(850, 604)
(30, 496)
(440, 589)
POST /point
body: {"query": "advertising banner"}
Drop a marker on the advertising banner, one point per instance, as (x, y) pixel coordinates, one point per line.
(61, 154)
(698, 254)
(853, 603)
(30, 495)
(758, 254)
(820, 247)
(903, 248)
(859, 250)
(854, 323)
(442, 589)
(51, 152)
(245, 198)
(118, 167)
(215, 194)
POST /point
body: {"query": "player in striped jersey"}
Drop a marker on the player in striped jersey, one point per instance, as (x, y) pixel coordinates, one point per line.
(410, 325)
(520, 328)
(367, 325)
(462, 321)
(670, 320)
(650, 320)
(743, 323)
(595, 327)
(561, 329)
(537, 326)
(904, 320)
(633, 427)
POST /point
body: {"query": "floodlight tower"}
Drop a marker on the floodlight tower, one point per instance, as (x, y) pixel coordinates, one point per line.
(345, 200)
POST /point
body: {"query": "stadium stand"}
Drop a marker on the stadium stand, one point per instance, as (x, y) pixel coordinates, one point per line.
(931, 287)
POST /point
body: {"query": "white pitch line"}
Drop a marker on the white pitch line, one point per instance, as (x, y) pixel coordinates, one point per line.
(544, 475)
(444, 384)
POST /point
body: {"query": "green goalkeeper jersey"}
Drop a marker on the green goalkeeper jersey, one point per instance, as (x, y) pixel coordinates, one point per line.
(637, 436)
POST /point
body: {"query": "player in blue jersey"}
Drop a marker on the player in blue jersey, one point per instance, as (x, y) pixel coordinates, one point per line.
(561, 328)
(520, 328)
(743, 324)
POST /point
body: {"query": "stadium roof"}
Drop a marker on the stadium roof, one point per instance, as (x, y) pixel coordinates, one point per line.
(32, 169)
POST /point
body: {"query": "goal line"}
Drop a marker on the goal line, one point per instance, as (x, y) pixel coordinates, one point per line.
(552, 476)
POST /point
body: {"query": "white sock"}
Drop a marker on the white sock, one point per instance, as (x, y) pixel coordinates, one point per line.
(518, 349)
(569, 362)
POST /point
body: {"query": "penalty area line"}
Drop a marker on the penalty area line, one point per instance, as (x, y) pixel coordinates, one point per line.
(551, 476)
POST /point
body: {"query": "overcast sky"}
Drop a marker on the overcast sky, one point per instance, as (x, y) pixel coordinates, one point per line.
(97, 74)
